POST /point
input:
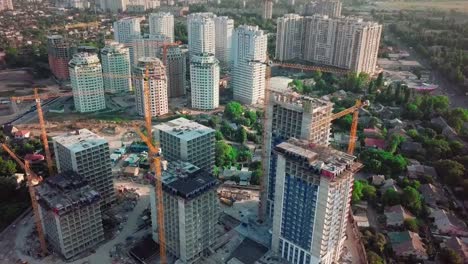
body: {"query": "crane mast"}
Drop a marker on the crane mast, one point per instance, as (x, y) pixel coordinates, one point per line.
(45, 141)
(32, 194)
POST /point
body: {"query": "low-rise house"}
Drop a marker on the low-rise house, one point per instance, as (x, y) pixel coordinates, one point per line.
(432, 194)
(396, 216)
(378, 180)
(406, 244)
(410, 147)
(459, 245)
(372, 132)
(22, 134)
(9, 130)
(374, 143)
(244, 175)
(447, 223)
(417, 171)
(389, 184)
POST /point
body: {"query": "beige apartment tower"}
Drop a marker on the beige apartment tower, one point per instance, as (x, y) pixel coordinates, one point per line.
(289, 37)
(267, 9)
(330, 8)
(292, 116)
(157, 84)
(312, 202)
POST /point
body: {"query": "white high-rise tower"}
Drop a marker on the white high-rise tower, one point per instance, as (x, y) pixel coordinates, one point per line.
(201, 33)
(224, 27)
(125, 28)
(86, 81)
(162, 23)
(157, 86)
(249, 53)
(289, 37)
(116, 68)
(204, 81)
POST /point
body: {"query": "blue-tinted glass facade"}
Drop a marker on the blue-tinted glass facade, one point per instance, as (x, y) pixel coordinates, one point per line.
(299, 202)
(272, 174)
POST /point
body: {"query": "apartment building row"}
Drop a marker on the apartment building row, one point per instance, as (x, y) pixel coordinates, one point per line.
(343, 42)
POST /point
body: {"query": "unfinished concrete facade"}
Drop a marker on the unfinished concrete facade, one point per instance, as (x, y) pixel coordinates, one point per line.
(70, 214)
(291, 115)
(87, 154)
(186, 140)
(191, 210)
(312, 200)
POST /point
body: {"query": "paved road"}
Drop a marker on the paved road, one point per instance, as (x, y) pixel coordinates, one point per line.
(454, 93)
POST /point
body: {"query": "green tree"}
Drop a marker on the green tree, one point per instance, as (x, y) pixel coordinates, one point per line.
(374, 258)
(7, 168)
(256, 176)
(391, 197)
(451, 171)
(233, 110)
(411, 199)
(219, 135)
(450, 256)
(225, 154)
(379, 81)
(412, 224)
(252, 116)
(317, 75)
(241, 135)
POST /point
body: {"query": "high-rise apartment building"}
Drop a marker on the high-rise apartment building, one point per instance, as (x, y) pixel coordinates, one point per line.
(139, 6)
(162, 23)
(201, 33)
(58, 51)
(330, 8)
(187, 140)
(289, 37)
(191, 211)
(204, 81)
(267, 9)
(291, 2)
(70, 214)
(6, 5)
(249, 53)
(292, 116)
(343, 42)
(157, 83)
(114, 6)
(176, 71)
(88, 155)
(357, 45)
(346, 42)
(86, 82)
(116, 68)
(313, 195)
(224, 27)
(126, 28)
(146, 46)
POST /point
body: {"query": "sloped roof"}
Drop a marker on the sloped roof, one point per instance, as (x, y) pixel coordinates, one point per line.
(406, 242)
(396, 215)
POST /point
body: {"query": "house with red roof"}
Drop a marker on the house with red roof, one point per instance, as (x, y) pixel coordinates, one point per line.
(459, 245)
(375, 143)
(22, 134)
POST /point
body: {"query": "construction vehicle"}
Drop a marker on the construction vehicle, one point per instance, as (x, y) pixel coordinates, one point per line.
(32, 193)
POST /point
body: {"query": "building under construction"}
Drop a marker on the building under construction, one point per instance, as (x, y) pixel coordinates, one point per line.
(191, 210)
(70, 214)
(291, 115)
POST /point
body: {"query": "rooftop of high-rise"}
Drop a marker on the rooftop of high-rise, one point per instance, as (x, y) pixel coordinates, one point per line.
(184, 129)
(84, 58)
(322, 160)
(79, 140)
(65, 192)
(186, 180)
